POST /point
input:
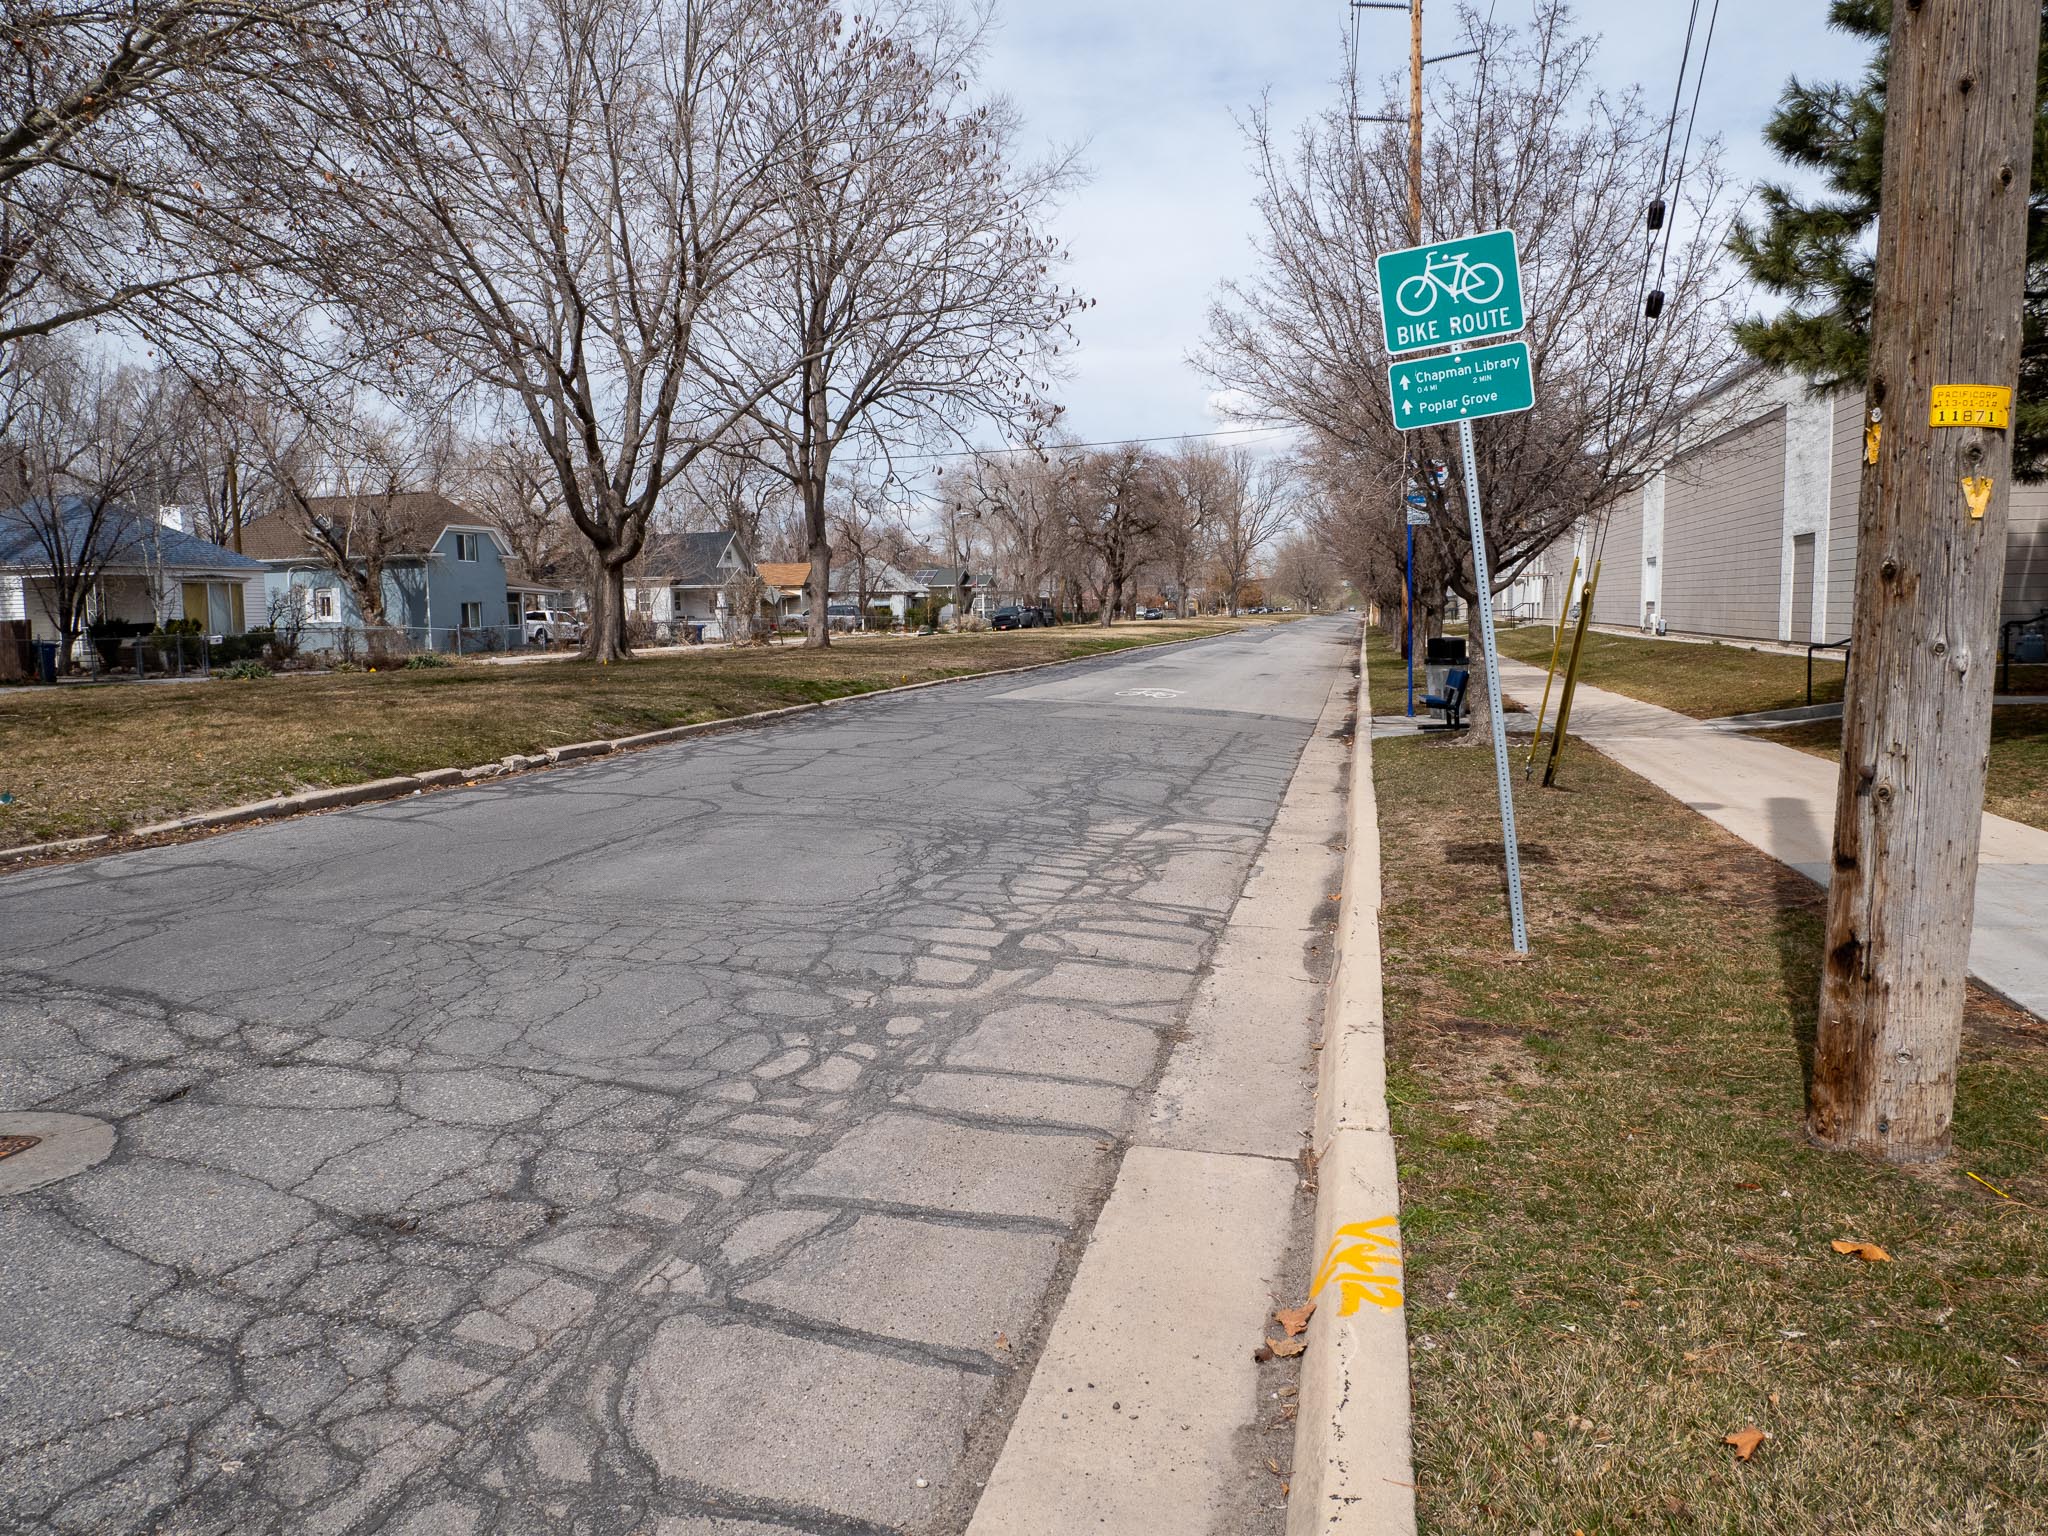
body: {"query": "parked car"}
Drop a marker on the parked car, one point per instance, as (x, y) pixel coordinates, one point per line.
(1019, 616)
(1150, 613)
(549, 626)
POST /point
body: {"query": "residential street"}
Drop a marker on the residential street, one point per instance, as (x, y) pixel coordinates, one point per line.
(693, 1141)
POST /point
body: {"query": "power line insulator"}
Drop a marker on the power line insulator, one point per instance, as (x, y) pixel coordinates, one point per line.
(1656, 213)
(1653, 306)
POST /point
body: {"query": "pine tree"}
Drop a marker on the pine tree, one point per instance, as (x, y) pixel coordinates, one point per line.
(1817, 254)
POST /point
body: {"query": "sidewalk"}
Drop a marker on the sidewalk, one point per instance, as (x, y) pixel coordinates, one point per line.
(1783, 801)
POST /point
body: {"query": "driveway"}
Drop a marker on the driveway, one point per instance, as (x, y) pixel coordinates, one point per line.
(694, 1141)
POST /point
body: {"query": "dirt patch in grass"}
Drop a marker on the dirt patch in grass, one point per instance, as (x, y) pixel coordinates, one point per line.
(2016, 785)
(1618, 1236)
(77, 760)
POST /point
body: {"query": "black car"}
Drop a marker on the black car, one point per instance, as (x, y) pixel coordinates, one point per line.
(1015, 616)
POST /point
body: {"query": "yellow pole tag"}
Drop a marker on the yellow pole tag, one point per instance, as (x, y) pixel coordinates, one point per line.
(1970, 405)
(1871, 434)
(1977, 492)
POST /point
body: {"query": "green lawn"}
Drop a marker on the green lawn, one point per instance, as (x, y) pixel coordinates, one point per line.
(1706, 681)
(2017, 783)
(1617, 1235)
(75, 760)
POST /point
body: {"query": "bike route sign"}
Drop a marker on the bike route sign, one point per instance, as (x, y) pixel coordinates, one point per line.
(1461, 386)
(1452, 292)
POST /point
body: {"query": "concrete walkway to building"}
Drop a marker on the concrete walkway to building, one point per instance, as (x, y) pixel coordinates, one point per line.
(1782, 800)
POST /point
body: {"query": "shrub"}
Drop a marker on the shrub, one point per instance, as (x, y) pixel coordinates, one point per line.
(421, 661)
(245, 671)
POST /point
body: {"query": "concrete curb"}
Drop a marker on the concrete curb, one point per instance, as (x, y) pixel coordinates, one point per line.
(1353, 1463)
(448, 778)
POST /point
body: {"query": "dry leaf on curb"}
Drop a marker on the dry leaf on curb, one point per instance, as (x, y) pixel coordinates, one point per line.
(1745, 1442)
(1274, 1467)
(1870, 1253)
(1295, 1319)
(1286, 1349)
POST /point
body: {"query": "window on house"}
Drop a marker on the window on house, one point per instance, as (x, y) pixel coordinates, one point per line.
(465, 546)
(326, 605)
(472, 615)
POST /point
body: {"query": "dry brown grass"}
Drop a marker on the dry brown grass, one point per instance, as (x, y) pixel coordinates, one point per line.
(76, 760)
(1618, 1236)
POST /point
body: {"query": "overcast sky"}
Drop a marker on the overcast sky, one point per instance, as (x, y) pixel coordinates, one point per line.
(1150, 88)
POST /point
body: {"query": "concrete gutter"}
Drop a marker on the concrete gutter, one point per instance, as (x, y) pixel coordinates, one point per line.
(406, 784)
(1353, 1465)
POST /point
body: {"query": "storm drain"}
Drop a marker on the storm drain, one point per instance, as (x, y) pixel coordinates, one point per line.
(9, 1145)
(39, 1147)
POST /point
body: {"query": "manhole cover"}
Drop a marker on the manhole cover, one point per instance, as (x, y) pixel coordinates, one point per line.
(9, 1145)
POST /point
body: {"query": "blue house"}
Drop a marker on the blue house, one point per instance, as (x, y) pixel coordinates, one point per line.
(446, 583)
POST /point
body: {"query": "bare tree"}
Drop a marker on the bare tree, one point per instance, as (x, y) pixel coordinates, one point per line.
(78, 434)
(544, 204)
(914, 282)
(1252, 503)
(1115, 517)
(1571, 169)
(511, 483)
(125, 154)
(1301, 573)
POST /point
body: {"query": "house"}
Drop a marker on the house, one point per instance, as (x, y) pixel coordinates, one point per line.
(889, 591)
(446, 583)
(141, 570)
(959, 589)
(682, 581)
(1751, 535)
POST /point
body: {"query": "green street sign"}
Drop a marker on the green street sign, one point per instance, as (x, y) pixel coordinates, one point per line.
(1461, 386)
(1451, 292)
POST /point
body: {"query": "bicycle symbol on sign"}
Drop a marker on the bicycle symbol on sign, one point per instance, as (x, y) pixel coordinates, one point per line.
(1468, 282)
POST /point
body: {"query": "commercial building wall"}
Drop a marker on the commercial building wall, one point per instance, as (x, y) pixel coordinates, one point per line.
(1724, 515)
(1753, 535)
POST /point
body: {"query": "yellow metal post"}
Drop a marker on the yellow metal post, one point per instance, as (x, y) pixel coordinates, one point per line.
(1571, 679)
(1556, 644)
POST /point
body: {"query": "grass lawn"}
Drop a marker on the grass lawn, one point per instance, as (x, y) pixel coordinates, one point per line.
(1704, 681)
(2017, 785)
(1617, 1236)
(77, 760)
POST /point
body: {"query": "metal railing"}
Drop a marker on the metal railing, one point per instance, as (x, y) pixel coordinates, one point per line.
(2006, 632)
(1826, 645)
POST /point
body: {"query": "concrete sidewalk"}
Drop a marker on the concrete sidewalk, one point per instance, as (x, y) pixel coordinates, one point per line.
(1782, 800)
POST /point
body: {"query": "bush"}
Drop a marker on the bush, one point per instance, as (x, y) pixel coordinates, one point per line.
(421, 661)
(343, 664)
(107, 635)
(245, 671)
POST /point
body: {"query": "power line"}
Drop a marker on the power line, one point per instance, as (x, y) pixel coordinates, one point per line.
(1107, 442)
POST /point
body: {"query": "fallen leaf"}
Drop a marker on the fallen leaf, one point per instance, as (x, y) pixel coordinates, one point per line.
(1539, 1439)
(1295, 1319)
(1745, 1442)
(1286, 1349)
(1274, 1467)
(1262, 1354)
(1774, 1399)
(1002, 1341)
(1870, 1253)
(1749, 1186)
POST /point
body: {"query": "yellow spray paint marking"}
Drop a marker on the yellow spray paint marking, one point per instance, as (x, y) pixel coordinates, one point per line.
(1364, 1260)
(1970, 405)
(1977, 492)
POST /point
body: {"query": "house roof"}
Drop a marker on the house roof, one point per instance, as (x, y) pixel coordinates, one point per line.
(790, 575)
(120, 538)
(684, 559)
(416, 520)
(949, 576)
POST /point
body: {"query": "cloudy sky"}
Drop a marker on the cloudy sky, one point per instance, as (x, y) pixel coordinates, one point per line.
(1150, 89)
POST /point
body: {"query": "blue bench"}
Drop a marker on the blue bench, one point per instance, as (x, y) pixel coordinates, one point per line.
(1451, 701)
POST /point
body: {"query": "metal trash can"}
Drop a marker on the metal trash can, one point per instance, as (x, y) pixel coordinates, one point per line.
(1444, 653)
(46, 660)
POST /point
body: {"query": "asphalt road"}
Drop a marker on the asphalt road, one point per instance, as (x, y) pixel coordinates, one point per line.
(694, 1141)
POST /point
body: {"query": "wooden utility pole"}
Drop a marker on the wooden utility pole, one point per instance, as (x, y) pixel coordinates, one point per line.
(1415, 120)
(1951, 264)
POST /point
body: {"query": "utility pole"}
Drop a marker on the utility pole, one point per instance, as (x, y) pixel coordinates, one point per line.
(1415, 121)
(1951, 265)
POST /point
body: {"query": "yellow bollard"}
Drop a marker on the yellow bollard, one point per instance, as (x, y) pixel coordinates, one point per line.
(1556, 642)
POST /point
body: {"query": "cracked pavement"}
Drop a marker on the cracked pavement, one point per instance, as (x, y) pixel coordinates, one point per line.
(696, 1141)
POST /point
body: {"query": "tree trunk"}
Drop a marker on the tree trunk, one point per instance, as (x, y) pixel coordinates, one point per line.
(818, 586)
(605, 639)
(1950, 270)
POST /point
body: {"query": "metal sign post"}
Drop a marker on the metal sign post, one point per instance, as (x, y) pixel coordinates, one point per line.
(1416, 519)
(1484, 587)
(1451, 295)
